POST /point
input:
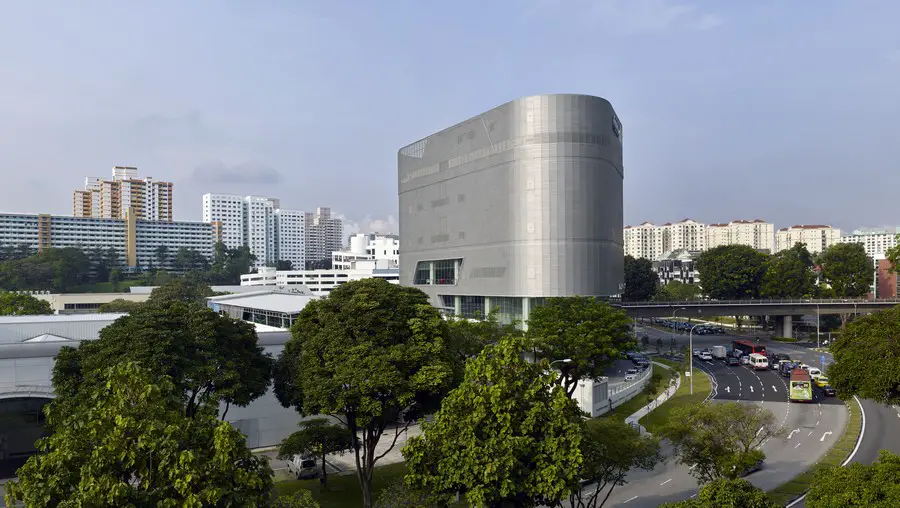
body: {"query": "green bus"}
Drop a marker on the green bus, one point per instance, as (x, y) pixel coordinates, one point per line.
(801, 386)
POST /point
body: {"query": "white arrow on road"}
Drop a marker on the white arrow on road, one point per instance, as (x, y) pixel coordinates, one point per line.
(751, 389)
(792, 433)
(774, 389)
(728, 389)
(825, 434)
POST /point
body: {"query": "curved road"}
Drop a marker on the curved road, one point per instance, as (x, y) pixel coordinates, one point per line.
(810, 429)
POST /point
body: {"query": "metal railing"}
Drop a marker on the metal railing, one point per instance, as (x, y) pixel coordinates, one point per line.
(625, 385)
(761, 302)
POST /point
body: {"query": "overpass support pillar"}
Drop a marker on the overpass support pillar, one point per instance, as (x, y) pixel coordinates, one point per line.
(784, 326)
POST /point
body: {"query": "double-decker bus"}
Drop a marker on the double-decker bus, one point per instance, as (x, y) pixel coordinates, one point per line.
(747, 348)
(801, 386)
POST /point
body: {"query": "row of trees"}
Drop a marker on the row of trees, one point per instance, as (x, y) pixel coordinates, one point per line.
(736, 272)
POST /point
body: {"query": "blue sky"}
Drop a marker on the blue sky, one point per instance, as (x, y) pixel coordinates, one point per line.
(786, 111)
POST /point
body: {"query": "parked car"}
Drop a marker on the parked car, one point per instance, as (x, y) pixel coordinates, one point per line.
(304, 467)
(732, 361)
(829, 391)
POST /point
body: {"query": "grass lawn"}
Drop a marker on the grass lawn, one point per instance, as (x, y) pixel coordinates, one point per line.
(640, 400)
(106, 287)
(658, 418)
(343, 490)
(792, 489)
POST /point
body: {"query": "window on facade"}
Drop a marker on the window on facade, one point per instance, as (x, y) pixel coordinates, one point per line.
(439, 271)
(471, 307)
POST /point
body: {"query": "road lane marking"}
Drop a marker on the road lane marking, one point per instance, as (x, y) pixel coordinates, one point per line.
(817, 423)
(665, 482)
(751, 389)
(798, 446)
(692, 497)
(774, 389)
(792, 433)
(810, 433)
(728, 389)
(758, 432)
(825, 434)
(629, 500)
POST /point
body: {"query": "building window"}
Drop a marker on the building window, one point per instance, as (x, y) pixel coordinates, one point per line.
(440, 272)
(471, 307)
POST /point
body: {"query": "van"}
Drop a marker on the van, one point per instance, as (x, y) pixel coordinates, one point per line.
(758, 361)
(304, 467)
(814, 373)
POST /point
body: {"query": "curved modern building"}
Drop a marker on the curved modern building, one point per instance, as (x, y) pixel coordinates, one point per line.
(516, 204)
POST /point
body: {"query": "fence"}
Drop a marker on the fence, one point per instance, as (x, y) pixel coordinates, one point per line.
(618, 394)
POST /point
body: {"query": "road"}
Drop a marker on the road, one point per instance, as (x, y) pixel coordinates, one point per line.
(811, 429)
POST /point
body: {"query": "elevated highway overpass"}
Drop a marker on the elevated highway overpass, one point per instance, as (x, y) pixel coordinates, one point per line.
(782, 310)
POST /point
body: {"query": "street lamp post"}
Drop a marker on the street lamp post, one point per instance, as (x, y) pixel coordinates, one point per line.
(564, 360)
(691, 348)
(817, 326)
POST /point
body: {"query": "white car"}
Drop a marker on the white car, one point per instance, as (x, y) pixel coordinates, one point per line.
(706, 356)
(745, 360)
(631, 375)
(696, 352)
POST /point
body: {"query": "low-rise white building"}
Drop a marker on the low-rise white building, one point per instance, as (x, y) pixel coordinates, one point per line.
(271, 307)
(817, 238)
(367, 247)
(323, 281)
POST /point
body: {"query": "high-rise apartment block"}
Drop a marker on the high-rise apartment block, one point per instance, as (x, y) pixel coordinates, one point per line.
(817, 238)
(657, 242)
(149, 199)
(876, 241)
(272, 233)
(756, 233)
(324, 234)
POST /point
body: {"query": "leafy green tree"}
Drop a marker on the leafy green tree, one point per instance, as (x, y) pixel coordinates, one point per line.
(676, 291)
(731, 272)
(128, 443)
(789, 274)
(284, 264)
(726, 493)
(119, 305)
(873, 486)
(58, 270)
(467, 337)
(866, 342)
(720, 440)
(115, 277)
(190, 260)
(640, 280)
(508, 434)
(229, 264)
(369, 354)
(303, 498)
(588, 332)
(610, 449)
(211, 359)
(847, 270)
(317, 437)
(16, 304)
(399, 495)
(162, 254)
(182, 289)
(322, 264)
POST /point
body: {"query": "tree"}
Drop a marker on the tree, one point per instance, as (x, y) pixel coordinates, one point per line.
(284, 264)
(659, 345)
(588, 332)
(128, 443)
(468, 337)
(847, 270)
(508, 434)
(17, 304)
(610, 449)
(182, 289)
(865, 342)
(874, 485)
(892, 255)
(322, 264)
(120, 305)
(720, 440)
(731, 272)
(789, 274)
(399, 495)
(369, 354)
(676, 291)
(303, 498)
(725, 493)
(211, 359)
(640, 280)
(190, 260)
(162, 254)
(317, 437)
(115, 277)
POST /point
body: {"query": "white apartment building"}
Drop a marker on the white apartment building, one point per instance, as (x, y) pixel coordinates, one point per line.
(756, 233)
(817, 238)
(272, 233)
(876, 241)
(370, 246)
(324, 234)
(686, 234)
(111, 199)
(323, 281)
(640, 241)
(136, 241)
(655, 242)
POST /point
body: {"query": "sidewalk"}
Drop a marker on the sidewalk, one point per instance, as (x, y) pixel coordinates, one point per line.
(670, 391)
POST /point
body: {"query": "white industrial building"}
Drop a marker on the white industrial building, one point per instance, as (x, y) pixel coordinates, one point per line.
(370, 246)
(817, 238)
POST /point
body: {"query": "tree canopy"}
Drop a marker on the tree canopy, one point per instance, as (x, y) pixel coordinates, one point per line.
(467, 337)
(57, 270)
(368, 354)
(719, 440)
(319, 438)
(119, 305)
(640, 280)
(128, 443)
(725, 493)
(676, 291)
(868, 341)
(588, 332)
(731, 272)
(857, 485)
(211, 359)
(508, 433)
(16, 304)
(847, 270)
(186, 289)
(789, 274)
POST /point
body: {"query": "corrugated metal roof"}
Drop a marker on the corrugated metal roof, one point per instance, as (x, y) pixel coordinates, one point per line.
(271, 301)
(14, 329)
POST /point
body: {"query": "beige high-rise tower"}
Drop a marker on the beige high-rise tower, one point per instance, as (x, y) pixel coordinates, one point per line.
(111, 199)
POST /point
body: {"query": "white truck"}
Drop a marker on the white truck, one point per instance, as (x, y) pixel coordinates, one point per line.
(719, 353)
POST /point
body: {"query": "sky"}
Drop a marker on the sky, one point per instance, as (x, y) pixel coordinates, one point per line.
(784, 111)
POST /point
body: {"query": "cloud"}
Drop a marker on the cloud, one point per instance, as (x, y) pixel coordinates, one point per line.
(388, 225)
(244, 172)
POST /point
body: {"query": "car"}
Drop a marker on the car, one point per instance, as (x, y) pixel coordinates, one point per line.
(630, 354)
(814, 373)
(696, 352)
(631, 374)
(706, 357)
(745, 360)
(732, 361)
(821, 381)
(829, 391)
(304, 467)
